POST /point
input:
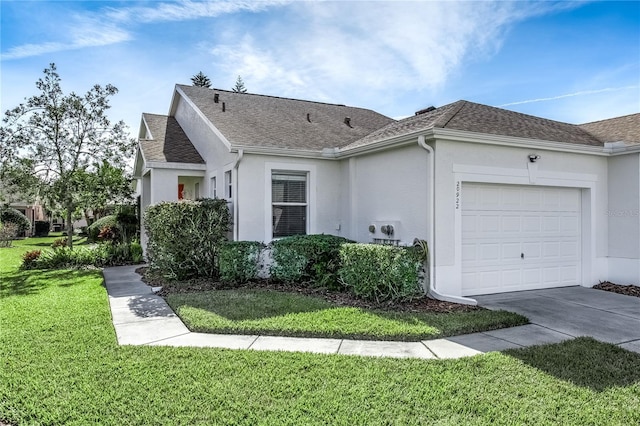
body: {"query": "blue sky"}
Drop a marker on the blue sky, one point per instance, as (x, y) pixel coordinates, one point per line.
(567, 61)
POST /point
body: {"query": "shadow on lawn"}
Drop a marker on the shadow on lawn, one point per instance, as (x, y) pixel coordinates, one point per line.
(21, 283)
(585, 362)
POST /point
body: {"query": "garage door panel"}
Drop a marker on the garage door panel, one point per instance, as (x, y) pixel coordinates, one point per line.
(501, 222)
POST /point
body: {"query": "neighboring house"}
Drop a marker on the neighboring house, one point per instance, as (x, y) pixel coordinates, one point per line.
(34, 212)
(507, 201)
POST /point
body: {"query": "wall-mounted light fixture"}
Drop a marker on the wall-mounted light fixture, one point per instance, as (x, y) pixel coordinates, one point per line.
(533, 157)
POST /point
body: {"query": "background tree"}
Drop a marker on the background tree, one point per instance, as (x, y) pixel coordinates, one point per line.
(201, 80)
(239, 86)
(62, 136)
(105, 185)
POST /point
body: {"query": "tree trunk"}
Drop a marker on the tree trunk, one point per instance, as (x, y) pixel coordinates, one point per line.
(69, 227)
(86, 217)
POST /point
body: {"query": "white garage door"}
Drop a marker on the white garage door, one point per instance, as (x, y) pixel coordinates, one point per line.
(519, 238)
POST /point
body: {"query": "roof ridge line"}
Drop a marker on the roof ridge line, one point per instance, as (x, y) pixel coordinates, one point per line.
(279, 97)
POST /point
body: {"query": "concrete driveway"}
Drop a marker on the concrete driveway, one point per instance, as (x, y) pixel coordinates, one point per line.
(576, 311)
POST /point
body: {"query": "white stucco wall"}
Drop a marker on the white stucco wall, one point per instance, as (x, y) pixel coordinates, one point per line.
(469, 162)
(623, 217)
(389, 186)
(324, 187)
(211, 148)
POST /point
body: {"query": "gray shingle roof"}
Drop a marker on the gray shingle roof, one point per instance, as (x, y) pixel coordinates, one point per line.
(478, 118)
(620, 129)
(268, 121)
(169, 143)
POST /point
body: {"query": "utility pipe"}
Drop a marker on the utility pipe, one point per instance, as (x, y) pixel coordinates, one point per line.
(431, 291)
(236, 196)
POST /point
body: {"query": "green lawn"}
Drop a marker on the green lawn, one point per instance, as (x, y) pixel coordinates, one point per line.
(287, 314)
(60, 364)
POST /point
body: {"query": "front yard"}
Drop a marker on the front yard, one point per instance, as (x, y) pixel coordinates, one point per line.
(60, 364)
(269, 312)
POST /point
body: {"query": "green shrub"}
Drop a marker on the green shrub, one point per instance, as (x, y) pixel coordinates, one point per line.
(379, 272)
(238, 261)
(7, 233)
(10, 215)
(135, 249)
(94, 229)
(59, 242)
(308, 258)
(101, 255)
(29, 258)
(42, 228)
(109, 233)
(127, 222)
(185, 237)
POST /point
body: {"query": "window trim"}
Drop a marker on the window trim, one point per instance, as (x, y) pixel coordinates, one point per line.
(213, 186)
(310, 170)
(228, 184)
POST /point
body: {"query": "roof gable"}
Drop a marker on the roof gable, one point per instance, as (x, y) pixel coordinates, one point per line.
(169, 144)
(266, 121)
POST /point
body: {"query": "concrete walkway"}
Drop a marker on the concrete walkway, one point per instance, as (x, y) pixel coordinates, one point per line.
(142, 318)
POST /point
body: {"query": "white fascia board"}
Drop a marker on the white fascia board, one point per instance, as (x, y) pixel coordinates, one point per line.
(280, 152)
(141, 164)
(397, 141)
(629, 149)
(178, 166)
(489, 139)
(146, 127)
(203, 117)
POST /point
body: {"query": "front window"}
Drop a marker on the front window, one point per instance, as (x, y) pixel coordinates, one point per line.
(214, 189)
(289, 203)
(228, 184)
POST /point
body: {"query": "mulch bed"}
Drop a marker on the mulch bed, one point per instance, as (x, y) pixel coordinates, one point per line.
(627, 290)
(421, 304)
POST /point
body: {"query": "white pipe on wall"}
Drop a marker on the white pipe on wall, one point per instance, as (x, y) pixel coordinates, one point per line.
(431, 291)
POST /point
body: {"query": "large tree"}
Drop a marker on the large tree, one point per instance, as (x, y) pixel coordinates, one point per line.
(61, 137)
(239, 86)
(105, 185)
(201, 80)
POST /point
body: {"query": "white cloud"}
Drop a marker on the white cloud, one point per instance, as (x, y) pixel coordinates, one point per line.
(108, 26)
(187, 10)
(371, 46)
(86, 33)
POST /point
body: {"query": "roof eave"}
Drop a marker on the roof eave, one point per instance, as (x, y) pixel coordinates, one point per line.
(174, 165)
(491, 139)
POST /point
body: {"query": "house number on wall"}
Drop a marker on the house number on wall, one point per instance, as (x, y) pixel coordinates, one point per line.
(457, 195)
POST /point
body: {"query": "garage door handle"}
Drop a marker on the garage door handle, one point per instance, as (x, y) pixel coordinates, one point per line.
(521, 255)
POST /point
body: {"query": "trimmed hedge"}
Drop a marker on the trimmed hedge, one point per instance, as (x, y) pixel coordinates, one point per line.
(11, 215)
(379, 272)
(238, 261)
(94, 229)
(185, 237)
(42, 228)
(308, 259)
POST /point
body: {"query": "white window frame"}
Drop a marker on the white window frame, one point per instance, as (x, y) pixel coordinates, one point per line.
(213, 186)
(310, 170)
(228, 184)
